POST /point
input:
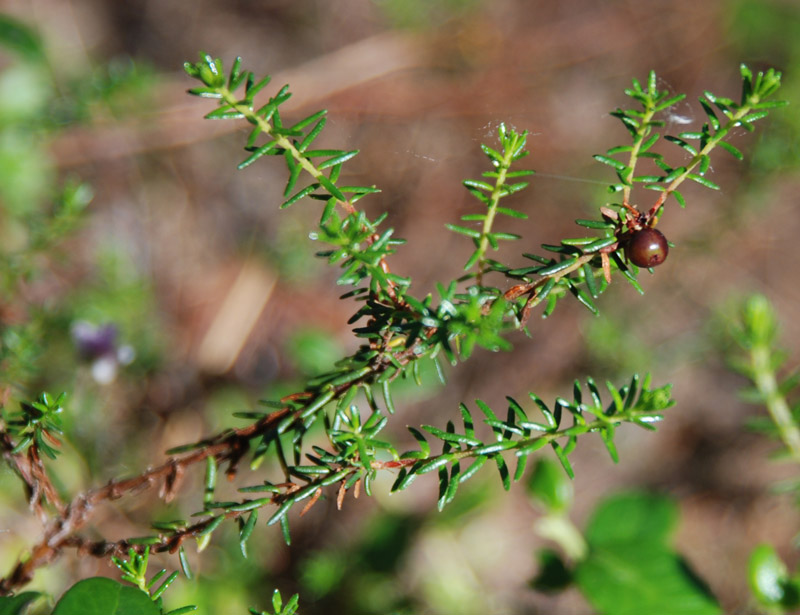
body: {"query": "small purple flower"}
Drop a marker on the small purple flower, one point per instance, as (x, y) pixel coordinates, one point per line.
(94, 342)
(98, 344)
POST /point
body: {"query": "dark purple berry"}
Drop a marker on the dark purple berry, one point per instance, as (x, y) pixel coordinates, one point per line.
(647, 248)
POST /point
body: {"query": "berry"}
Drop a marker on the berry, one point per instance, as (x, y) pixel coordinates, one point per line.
(647, 248)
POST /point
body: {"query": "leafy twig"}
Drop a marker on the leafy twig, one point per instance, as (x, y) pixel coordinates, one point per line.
(757, 334)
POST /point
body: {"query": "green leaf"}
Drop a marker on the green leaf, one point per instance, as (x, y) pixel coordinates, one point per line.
(608, 439)
(581, 296)
(281, 512)
(681, 143)
(257, 87)
(478, 185)
(464, 231)
(433, 464)
(265, 150)
(556, 267)
(246, 531)
(154, 595)
(733, 151)
(497, 447)
(712, 116)
(513, 213)
(549, 487)
(331, 187)
(501, 235)
(404, 479)
(287, 537)
(533, 445)
(597, 224)
(474, 258)
(235, 77)
(769, 579)
(648, 518)
(553, 575)
(277, 603)
(505, 475)
(633, 579)
(771, 104)
(184, 561)
(562, 457)
(102, 596)
(455, 438)
(338, 159)
(703, 181)
(19, 37)
(753, 117)
(626, 271)
(619, 166)
(630, 569)
(451, 486)
(182, 610)
(224, 113)
(669, 102)
(16, 605)
(588, 275)
(522, 463)
(598, 244)
(213, 524)
(472, 469)
(425, 448)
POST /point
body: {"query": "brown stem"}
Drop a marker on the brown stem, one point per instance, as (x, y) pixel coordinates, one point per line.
(61, 531)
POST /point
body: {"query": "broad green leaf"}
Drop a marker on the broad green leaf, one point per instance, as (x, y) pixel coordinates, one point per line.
(19, 37)
(102, 596)
(632, 578)
(16, 605)
(553, 574)
(631, 569)
(632, 517)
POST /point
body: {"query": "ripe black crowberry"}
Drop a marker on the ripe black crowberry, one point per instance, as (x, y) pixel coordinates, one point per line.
(647, 248)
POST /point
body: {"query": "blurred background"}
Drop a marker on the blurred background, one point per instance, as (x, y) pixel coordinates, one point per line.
(180, 294)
